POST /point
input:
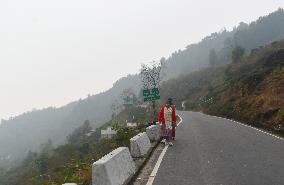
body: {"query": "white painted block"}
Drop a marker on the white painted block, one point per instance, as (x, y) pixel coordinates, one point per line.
(153, 132)
(114, 168)
(140, 145)
(69, 184)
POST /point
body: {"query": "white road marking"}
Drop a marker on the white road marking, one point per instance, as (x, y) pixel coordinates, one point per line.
(158, 163)
(155, 170)
(180, 120)
(247, 126)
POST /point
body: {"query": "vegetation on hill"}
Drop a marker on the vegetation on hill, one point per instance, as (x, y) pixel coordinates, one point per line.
(71, 162)
(33, 129)
(29, 131)
(249, 90)
(265, 30)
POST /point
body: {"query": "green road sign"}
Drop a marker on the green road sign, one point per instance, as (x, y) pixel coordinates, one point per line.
(151, 94)
(148, 99)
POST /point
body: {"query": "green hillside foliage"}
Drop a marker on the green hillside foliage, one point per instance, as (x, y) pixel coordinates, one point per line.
(137, 114)
(250, 90)
(71, 162)
(34, 128)
(266, 29)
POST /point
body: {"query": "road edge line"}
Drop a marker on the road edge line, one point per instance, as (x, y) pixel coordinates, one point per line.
(245, 125)
(159, 161)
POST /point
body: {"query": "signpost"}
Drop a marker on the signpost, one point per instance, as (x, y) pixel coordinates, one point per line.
(151, 78)
(151, 94)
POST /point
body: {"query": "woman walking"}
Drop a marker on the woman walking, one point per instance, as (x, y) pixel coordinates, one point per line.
(167, 118)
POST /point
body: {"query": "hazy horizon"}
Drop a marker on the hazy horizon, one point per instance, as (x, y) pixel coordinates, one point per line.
(55, 52)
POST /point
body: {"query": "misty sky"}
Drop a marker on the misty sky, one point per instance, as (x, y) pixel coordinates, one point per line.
(56, 51)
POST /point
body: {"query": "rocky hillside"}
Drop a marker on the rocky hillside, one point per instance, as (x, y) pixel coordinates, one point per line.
(32, 129)
(250, 90)
(72, 162)
(265, 30)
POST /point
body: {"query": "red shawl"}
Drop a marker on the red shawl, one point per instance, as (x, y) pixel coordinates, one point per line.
(161, 117)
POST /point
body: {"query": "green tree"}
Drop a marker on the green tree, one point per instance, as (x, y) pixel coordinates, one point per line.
(79, 133)
(237, 54)
(42, 163)
(213, 59)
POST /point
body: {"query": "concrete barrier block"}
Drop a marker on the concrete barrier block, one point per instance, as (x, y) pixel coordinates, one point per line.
(69, 184)
(153, 132)
(115, 168)
(140, 145)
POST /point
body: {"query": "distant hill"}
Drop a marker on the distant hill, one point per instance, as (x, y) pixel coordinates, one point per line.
(250, 90)
(265, 30)
(32, 129)
(72, 161)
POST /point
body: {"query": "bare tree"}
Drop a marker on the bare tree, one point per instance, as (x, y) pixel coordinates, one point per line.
(151, 78)
(151, 75)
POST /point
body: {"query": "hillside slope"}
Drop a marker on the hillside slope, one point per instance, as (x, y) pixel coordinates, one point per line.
(31, 130)
(72, 162)
(251, 90)
(265, 30)
(28, 131)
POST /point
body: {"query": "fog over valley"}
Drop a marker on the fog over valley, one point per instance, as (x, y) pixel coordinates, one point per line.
(72, 76)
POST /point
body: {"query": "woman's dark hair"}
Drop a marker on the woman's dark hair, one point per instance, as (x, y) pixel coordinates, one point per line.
(170, 100)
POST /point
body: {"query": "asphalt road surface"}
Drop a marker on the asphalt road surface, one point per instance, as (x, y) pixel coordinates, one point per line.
(210, 150)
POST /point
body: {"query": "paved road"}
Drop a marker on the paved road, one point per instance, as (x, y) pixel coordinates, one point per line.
(211, 150)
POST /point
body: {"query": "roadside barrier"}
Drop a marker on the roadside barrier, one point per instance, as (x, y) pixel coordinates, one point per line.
(153, 132)
(118, 167)
(139, 145)
(115, 168)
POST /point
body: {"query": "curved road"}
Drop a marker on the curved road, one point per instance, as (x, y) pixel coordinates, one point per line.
(210, 150)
